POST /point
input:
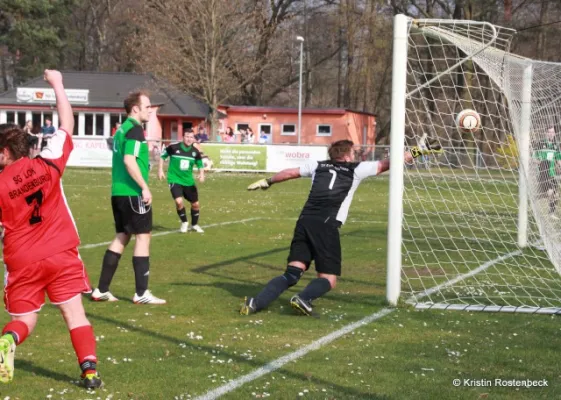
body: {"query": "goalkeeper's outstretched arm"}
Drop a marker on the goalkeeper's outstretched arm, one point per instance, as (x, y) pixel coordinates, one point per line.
(284, 175)
(384, 165)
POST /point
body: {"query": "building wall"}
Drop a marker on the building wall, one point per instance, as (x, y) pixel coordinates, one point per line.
(360, 128)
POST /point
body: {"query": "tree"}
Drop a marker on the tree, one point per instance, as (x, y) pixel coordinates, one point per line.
(203, 47)
(30, 35)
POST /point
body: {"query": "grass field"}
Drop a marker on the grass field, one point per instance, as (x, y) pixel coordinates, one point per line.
(198, 342)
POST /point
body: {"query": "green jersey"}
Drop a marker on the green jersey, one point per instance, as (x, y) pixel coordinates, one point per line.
(548, 152)
(181, 163)
(129, 140)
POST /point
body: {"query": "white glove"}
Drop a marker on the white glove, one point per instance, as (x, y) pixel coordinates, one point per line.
(263, 184)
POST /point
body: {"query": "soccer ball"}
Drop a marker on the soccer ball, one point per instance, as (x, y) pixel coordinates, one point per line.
(468, 121)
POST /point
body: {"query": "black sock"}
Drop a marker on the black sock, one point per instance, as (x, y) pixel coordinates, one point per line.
(182, 215)
(141, 267)
(108, 268)
(315, 289)
(271, 292)
(194, 216)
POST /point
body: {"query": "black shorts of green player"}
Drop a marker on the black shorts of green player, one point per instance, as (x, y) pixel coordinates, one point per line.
(131, 215)
(548, 159)
(189, 193)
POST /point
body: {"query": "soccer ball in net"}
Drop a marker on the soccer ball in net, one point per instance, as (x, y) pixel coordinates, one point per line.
(468, 121)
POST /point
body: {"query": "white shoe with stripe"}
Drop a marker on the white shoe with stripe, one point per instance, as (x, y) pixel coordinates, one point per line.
(147, 298)
(197, 229)
(184, 227)
(107, 296)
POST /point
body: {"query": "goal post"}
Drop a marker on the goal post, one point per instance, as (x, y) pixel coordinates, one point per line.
(471, 233)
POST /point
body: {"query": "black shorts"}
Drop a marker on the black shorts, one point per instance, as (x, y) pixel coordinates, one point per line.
(189, 192)
(317, 240)
(131, 215)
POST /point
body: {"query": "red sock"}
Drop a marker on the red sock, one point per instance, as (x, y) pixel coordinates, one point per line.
(18, 329)
(83, 340)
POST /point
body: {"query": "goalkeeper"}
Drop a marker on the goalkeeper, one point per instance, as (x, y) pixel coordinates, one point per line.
(316, 236)
(548, 160)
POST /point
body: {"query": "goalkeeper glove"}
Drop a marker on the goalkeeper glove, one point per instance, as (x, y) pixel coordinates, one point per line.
(263, 184)
(428, 149)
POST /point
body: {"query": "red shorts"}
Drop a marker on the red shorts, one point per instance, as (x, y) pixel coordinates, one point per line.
(62, 276)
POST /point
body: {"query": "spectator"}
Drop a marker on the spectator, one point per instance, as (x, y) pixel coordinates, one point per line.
(48, 131)
(32, 138)
(249, 136)
(229, 135)
(115, 128)
(202, 136)
(219, 137)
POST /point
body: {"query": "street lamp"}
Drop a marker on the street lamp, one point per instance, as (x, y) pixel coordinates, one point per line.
(301, 40)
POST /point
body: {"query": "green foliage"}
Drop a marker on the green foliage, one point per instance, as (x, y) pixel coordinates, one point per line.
(33, 37)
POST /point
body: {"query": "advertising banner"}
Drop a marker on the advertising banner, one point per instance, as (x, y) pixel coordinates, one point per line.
(90, 153)
(281, 157)
(232, 157)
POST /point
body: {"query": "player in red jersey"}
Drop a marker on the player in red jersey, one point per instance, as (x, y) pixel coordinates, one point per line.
(33, 209)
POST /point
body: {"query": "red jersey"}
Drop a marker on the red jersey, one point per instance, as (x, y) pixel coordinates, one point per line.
(37, 221)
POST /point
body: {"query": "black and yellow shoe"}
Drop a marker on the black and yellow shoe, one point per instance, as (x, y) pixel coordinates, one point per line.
(302, 306)
(248, 306)
(91, 380)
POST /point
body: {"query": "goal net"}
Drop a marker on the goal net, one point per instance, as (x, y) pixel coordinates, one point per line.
(477, 227)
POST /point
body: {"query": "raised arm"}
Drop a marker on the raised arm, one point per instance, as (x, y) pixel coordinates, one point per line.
(60, 145)
(284, 175)
(65, 115)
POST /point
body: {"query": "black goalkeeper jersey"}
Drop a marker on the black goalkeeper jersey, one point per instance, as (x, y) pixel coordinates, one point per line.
(333, 186)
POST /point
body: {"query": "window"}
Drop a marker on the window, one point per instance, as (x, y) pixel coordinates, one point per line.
(323, 130)
(21, 119)
(75, 125)
(37, 119)
(94, 125)
(88, 124)
(114, 119)
(99, 128)
(11, 117)
(288, 129)
(241, 126)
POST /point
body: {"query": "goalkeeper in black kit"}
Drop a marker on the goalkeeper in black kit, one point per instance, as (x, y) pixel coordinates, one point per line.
(316, 235)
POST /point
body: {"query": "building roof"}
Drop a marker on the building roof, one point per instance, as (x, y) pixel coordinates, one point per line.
(109, 89)
(293, 110)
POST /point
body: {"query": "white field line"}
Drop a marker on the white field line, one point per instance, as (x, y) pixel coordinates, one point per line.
(280, 362)
(241, 221)
(317, 344)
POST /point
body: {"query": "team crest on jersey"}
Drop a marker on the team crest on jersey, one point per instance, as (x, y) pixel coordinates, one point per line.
(194, 154)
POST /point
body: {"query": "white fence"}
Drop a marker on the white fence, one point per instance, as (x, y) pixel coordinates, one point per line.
(96, 152)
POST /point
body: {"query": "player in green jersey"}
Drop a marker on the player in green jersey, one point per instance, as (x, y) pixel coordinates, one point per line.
(131, 201)
(183, 156)
(547, 156)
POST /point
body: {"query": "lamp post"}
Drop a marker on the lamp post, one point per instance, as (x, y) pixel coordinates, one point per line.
(301, 40)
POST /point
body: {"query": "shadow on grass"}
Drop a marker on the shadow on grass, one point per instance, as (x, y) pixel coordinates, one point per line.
(36, 370)
(249, 288)
(160, 228)
(198, 347)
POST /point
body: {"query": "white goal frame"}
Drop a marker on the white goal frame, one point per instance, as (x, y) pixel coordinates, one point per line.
(402, 26)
